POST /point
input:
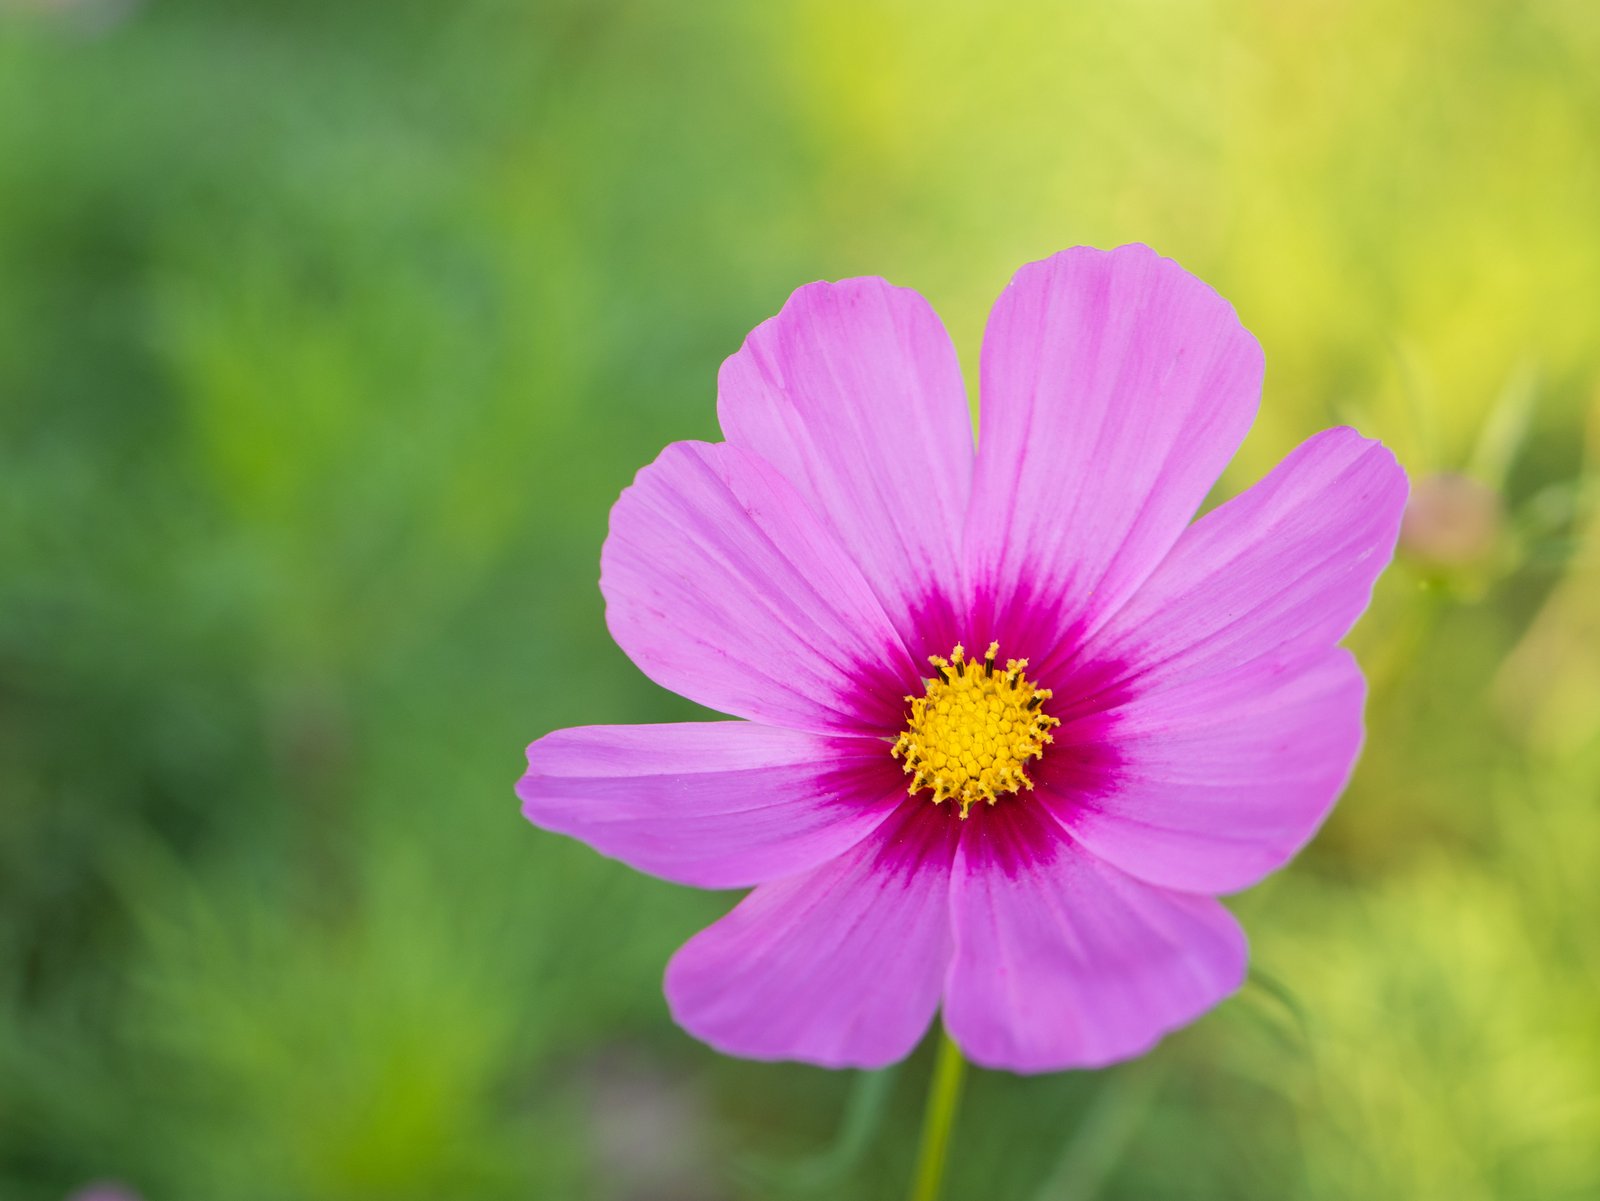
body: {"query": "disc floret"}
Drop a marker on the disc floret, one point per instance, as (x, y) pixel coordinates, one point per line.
(971, 732)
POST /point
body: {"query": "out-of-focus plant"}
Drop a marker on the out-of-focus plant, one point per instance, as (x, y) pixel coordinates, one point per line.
(329, 333)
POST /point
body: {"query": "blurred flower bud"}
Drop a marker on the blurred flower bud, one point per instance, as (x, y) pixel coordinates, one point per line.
(104, 1190)
(1451, 521)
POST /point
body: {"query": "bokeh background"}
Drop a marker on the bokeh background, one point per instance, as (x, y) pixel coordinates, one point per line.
(328, 334)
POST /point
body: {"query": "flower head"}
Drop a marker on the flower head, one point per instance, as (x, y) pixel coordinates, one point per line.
(1033, 838)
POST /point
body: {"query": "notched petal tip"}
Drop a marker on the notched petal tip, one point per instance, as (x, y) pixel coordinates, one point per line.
(818, 303)
(1137, 258)
(1360, 445)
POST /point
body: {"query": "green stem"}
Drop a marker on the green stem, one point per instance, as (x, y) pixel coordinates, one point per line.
(944, 1094)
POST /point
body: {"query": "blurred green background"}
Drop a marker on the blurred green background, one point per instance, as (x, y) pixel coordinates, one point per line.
(328, 334)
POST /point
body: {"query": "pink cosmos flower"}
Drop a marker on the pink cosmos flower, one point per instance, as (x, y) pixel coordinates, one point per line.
(1010, 721)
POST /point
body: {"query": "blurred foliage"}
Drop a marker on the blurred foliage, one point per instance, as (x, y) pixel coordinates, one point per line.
(328, 332)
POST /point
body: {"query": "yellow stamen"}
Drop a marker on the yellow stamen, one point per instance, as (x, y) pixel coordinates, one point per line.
(973, 729)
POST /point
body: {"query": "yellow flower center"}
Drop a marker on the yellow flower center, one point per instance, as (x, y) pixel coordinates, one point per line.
(973, 729)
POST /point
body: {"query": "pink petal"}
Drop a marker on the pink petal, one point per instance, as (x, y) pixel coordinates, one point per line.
(1234, 723)
(1286, 566)
(840, 967)
(722, 586)
(1062, 961)
(1115, 388)
(853, 391)
(1212, 784)
(712, 804)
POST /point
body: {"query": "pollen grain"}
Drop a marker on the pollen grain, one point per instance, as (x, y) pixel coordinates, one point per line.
(974, 728)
